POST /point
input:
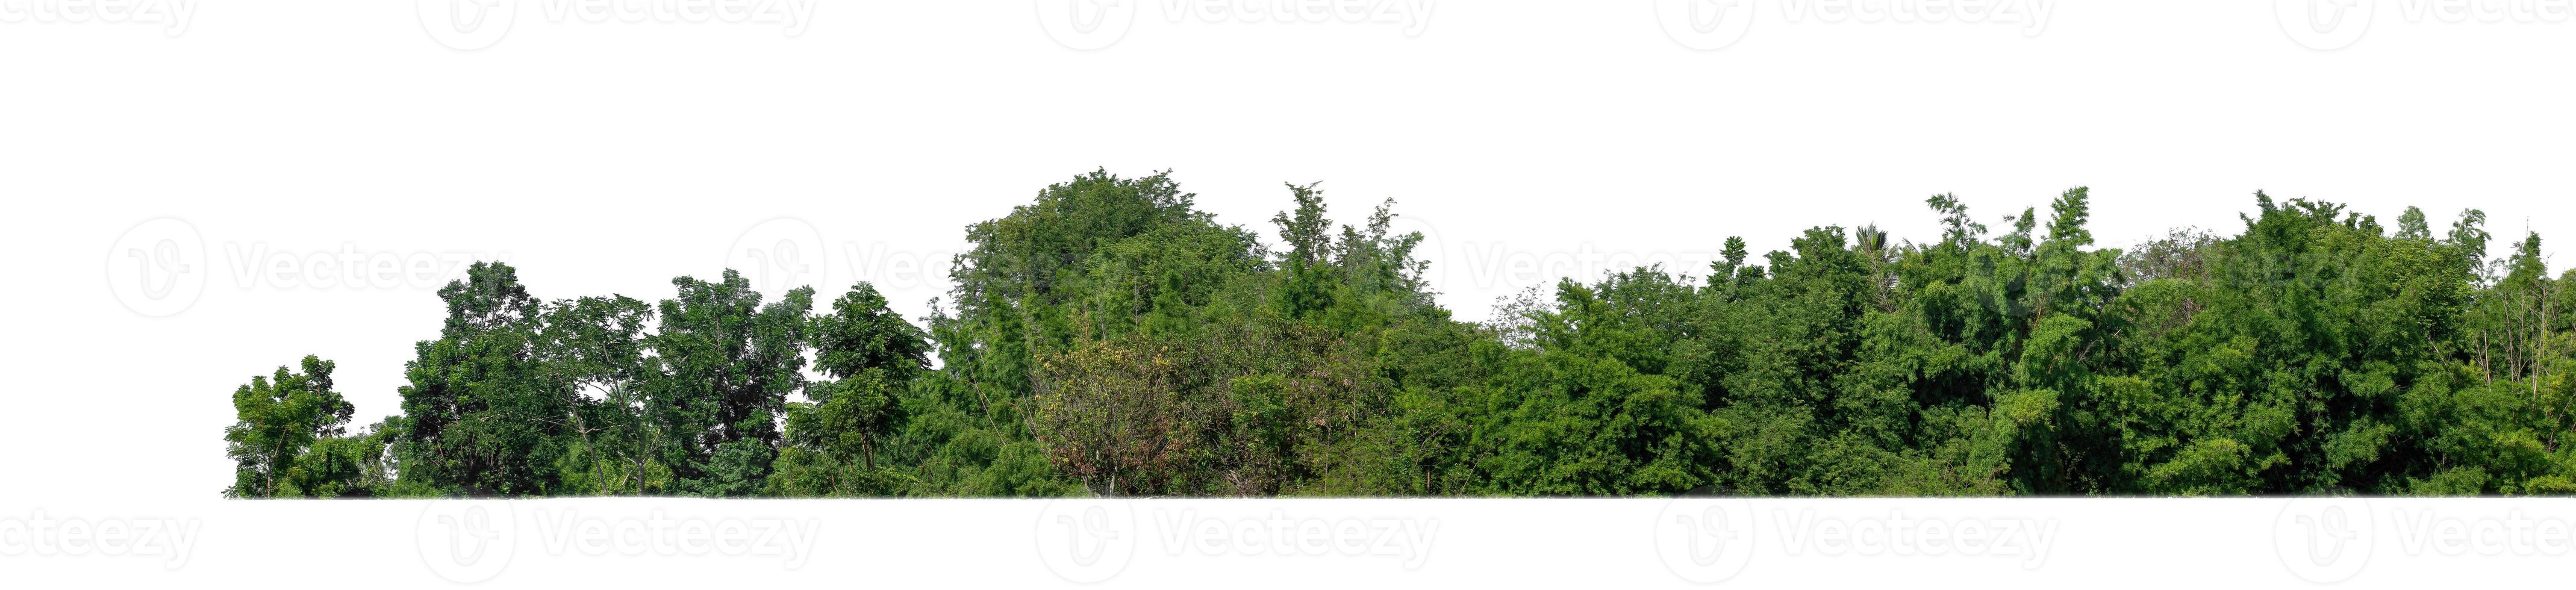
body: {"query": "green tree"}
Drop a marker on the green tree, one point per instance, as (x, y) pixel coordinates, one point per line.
(482, 415)
(873, 355)
(724, 365)
(280, 418)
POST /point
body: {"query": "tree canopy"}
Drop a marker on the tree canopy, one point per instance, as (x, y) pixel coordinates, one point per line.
(1109, 338)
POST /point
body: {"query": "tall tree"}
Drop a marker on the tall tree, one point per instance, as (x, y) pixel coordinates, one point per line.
(280, 417)
(725, 364)
(873, 355)
(482, 415)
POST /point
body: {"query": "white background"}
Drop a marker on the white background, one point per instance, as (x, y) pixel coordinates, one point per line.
(1578, 137)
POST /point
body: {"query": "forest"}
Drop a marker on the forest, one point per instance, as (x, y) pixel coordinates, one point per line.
(1108, 338)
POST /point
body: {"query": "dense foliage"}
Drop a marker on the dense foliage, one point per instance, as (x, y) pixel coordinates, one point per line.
(1109, 338)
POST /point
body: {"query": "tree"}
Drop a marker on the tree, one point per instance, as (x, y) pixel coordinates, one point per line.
(725, 365)
(280, 418)
(1109, 338)
(482, 415)
(873, 355)
(594, 346)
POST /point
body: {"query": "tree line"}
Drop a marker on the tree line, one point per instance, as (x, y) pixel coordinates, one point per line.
(1108, 338)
